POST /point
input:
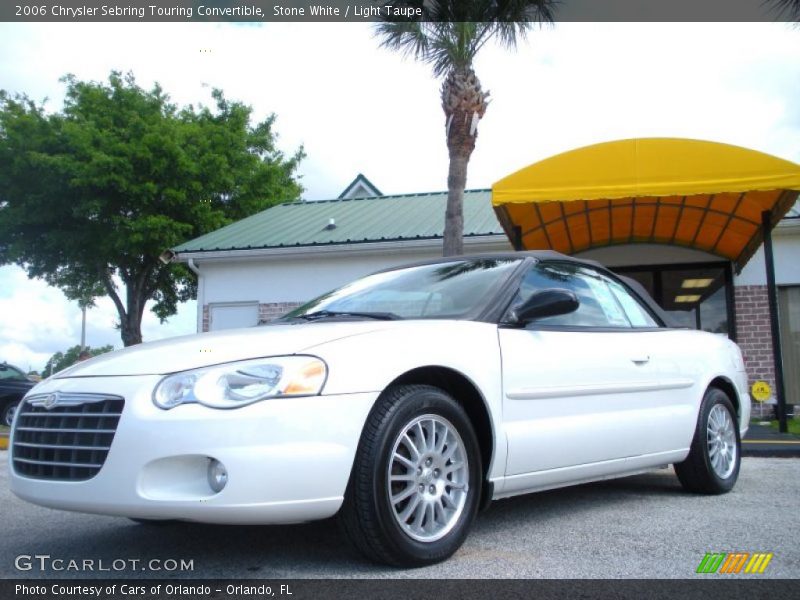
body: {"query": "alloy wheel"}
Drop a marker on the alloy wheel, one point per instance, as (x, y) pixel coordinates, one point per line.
(428, 479)
(8, 417)
(721, 436)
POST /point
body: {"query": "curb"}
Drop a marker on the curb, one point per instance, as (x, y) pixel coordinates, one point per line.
(764, 441)
(763, 449)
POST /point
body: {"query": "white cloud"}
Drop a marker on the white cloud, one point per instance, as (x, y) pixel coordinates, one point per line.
(37, 320)
(358, 108)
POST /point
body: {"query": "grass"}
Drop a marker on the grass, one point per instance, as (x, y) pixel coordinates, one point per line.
(792, 424)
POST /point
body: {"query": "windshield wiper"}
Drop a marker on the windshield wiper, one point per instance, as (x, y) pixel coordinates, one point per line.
(324, 314)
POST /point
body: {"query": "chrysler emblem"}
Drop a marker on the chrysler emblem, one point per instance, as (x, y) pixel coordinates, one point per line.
(50, 401)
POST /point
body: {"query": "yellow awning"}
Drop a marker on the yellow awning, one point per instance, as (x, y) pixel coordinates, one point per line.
(698, 194)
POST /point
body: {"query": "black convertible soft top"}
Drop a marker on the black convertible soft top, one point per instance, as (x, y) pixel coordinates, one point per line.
(551, 255)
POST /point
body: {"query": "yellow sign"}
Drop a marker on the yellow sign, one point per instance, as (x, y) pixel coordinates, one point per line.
(761, 391)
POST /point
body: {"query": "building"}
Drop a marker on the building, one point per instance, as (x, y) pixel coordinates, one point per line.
(261, 267)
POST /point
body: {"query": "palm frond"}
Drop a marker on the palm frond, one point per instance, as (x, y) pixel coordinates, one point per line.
(784, 9)
(407, 37)
(452, 32)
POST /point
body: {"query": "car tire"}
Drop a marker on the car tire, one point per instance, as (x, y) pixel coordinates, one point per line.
(415, 485)
(712, 466)
(9, 411)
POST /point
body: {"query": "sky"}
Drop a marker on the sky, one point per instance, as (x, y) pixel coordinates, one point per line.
(357, 108)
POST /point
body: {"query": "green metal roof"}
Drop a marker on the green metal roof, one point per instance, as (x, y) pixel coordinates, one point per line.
(379, 219)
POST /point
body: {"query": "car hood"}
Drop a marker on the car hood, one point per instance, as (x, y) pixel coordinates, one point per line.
(195, 351)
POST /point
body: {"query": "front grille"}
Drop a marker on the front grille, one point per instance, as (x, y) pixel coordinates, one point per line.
(64, 436)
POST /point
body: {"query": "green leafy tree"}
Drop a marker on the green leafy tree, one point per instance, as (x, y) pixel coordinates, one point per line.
(92, 195)
(61, 360)
(448, 37)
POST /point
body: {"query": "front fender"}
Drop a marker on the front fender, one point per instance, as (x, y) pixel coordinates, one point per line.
(371, 362)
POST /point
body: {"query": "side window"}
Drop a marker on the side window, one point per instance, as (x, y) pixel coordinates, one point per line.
(636, 313)
(598, 305)
(9, 372)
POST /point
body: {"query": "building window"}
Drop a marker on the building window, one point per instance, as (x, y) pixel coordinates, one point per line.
(789, 321)
(695, 295)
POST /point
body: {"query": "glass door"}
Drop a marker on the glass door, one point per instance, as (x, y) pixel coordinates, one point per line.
(695, 295)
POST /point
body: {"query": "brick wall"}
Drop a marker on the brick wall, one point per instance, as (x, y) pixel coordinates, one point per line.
(754, 336)
(273, 310)
(205, 317)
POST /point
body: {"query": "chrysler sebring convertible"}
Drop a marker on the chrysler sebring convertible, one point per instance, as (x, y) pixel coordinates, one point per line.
(403, 403)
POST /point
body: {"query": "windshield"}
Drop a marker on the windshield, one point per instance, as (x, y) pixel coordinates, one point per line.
(448, 290)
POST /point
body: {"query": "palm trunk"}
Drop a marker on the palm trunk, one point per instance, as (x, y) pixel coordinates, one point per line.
(454, 215)
(464, 103)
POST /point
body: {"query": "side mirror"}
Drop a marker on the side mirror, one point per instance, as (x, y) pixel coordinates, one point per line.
(547, 303)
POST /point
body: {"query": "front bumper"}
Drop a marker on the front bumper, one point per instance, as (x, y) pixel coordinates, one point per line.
(287, 460)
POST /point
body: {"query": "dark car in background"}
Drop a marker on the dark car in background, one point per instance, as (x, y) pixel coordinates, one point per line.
(14, 384)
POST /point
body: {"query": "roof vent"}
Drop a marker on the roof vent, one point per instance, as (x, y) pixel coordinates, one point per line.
(331, 224)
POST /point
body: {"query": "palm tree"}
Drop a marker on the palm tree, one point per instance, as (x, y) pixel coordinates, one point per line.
(448, 37)
(786, 9)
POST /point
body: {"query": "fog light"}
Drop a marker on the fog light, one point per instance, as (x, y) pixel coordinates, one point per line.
(217, 475)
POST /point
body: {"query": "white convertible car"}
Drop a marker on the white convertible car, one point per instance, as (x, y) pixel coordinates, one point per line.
(403, 402)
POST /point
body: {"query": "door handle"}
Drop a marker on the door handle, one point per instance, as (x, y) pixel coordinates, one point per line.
(640, 360)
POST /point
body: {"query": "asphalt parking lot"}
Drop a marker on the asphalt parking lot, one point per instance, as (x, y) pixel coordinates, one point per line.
(638, 527)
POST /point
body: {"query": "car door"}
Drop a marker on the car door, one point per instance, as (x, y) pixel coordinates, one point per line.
(680, 364)
(580, 388)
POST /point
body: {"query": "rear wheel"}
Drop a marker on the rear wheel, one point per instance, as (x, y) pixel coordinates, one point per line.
(9, 411)
(712, 466)
(414, 489)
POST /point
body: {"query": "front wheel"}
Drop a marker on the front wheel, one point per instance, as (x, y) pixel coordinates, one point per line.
(712, 466)
(413, 492)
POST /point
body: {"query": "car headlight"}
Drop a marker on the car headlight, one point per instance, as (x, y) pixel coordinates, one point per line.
(241, 383)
